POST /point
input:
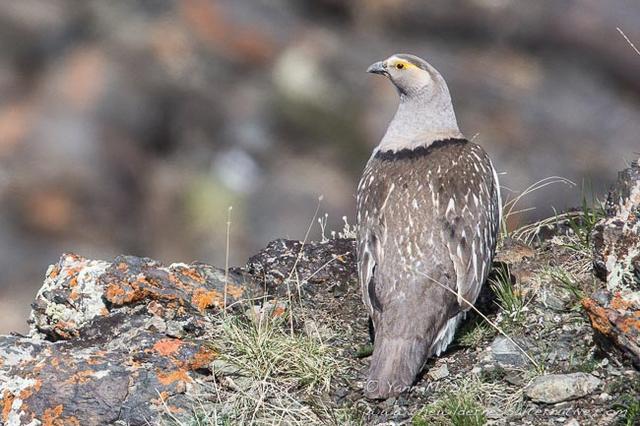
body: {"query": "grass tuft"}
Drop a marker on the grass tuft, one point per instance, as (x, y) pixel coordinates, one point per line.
(475, 334)
(510, 300)
(267, 375)
(461, 407)
(262, 349)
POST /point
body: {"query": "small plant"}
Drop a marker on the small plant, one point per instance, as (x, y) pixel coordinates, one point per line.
(630, 408)
(461, 407)
(474, 334)
(274, 373)
(493, 375)
(628, 400)
(510, 300)
(348, 230)
(262, 348)
(583, 223)
(569, 282)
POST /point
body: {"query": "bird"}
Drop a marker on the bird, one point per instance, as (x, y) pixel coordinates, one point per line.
(428, 216)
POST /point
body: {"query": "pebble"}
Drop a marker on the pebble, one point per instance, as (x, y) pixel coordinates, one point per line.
(554, 388)
(604, 396)
(505, 353)
(437, 373)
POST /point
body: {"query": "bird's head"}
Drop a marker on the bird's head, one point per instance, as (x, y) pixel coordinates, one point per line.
(410, 74)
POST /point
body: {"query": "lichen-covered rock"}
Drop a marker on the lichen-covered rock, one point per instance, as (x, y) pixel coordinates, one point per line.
(78, 290)
(286, 265)
(615, 311)
(617, 237)
(618, 320)
(124, 341)
(129, 336)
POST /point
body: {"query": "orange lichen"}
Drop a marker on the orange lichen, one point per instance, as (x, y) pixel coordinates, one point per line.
(80, 377)
(597, 315)
(235, 291)
(50, 416)
(114, 291)
(74, 295)
(204, 299)
(72, 421)
(174, 410)
(621, 315)
(630, 324)
(118, 295)
(277, 312)
(167, 347)
(202, 358)
(163, 397)
(173, 376)
(73, 282)
(618, 303)
(66, 329)
(25, 393)
(7, 399)
(191, 273)
(54, 272)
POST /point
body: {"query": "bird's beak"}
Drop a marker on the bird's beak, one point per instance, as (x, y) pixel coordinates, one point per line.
(378, 68)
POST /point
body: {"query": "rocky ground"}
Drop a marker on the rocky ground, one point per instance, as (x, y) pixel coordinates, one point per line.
(131, 126)
(135, 342)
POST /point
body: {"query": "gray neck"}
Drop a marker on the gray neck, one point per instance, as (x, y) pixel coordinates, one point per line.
(422, 118)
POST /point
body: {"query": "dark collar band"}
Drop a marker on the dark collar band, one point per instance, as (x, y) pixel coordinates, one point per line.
(421, 151)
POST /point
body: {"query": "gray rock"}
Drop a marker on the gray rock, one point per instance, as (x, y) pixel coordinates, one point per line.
(554, 388)
(506, 354)
(437, 373)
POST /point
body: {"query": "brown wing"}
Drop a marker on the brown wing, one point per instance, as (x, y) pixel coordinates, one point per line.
(371, 229)
(470, 217)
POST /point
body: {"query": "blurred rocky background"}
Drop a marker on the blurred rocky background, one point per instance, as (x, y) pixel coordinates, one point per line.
(132, 126)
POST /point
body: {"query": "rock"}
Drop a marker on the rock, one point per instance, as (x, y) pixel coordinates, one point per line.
(514, 251)
(554, 388)
(615, 310)
(437, 373)
(616, 321)
(506, 354)
(616, 238)
(572, 422)
(134, 337)
(286, 266)
(552, 301)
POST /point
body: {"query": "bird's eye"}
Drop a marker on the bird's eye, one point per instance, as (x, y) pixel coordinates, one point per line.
(400, 66)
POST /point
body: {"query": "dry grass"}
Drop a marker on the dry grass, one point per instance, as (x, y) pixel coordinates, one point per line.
(266, 376)
(510, 207)
(473, 335)
(512, 302)
(465, 402)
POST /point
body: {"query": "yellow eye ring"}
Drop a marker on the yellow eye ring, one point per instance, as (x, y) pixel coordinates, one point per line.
(400, 66)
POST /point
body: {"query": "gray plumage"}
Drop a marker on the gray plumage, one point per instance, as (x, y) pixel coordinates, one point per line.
(428, 210)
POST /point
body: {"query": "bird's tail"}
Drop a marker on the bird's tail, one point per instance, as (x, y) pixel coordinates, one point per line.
(394, 365)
